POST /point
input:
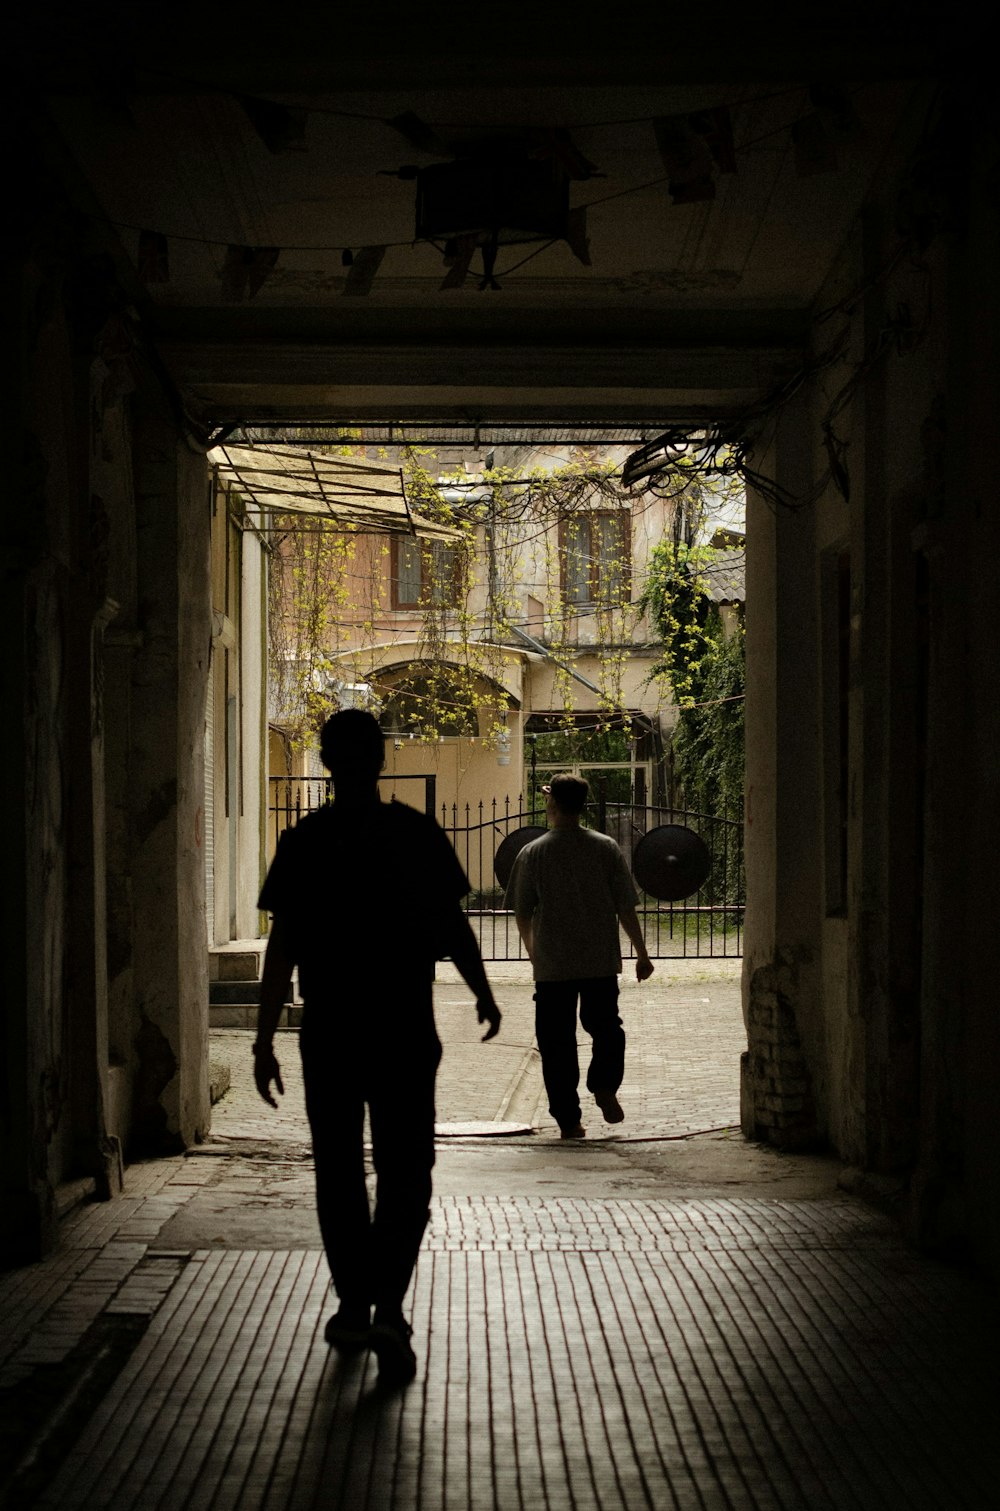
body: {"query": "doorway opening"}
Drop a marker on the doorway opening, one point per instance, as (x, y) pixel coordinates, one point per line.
(533, 608)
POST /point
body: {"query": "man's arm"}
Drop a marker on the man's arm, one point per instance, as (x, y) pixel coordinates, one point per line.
(276, 978)
(633, 928)
(520, 899)
(523, 921)
(460, 944)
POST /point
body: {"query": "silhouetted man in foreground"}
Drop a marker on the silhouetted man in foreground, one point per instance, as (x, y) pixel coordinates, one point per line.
(365, 896)
(569, 890)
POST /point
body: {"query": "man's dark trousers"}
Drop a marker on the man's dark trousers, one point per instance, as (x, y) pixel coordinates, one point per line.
(555, 1031)
(371, 1258)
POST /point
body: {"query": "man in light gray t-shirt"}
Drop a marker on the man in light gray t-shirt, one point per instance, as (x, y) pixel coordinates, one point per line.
(569, 890)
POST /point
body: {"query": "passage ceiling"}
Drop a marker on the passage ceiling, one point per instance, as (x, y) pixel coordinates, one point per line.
(244, 244)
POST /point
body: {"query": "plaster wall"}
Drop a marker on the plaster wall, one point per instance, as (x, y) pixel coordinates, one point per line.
(223, 747)
(843, 1034)
(114, 479)
(34, 608)
(469, 769)
(545, 685)
(170, 668)
(760, 855)
(236, 752)
(888, 681)
(224, 778)
(253, 730)
(974, 392)
(871, 1013)
(955, 1193)
(100, 980)
(785, 1073)
(63, 561)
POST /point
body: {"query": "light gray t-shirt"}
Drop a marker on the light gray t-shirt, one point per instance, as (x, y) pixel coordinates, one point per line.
(572, 883)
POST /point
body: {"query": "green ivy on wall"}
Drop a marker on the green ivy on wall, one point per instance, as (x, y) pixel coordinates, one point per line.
(703, 659)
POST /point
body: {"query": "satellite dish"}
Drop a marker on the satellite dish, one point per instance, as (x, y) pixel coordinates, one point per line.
(671, 862)
(511, 847)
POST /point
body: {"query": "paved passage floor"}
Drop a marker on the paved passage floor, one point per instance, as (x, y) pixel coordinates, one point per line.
(659, 1319)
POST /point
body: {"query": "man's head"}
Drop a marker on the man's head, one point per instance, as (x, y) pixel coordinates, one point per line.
(567, 793)
(352, 747)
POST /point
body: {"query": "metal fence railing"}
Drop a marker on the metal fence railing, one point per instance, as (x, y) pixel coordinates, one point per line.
(707, 924)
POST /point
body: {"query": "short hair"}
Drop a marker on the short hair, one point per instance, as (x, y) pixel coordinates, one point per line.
(352, 736)
(569, 792)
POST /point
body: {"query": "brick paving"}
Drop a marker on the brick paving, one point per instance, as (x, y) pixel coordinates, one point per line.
(594, 1328)
(592, 1353)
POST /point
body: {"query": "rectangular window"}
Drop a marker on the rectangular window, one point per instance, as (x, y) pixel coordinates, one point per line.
(612, 551)
(576, 561)
(595, 554)
(407, 575)
(425, 572)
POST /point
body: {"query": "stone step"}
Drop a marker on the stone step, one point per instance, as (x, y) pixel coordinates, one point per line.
(235, 965)
(226, 1015)
(234, 993)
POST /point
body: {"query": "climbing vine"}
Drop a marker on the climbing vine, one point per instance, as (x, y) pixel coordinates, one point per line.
(309, 589)
(677, 600)
(564, 532)
(703, 659)
(708, 746)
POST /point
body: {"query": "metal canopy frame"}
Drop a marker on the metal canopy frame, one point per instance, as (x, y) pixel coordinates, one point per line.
(354, 495)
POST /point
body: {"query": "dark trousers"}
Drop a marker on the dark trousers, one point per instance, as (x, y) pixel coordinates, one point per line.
(555, 1031)
(371, 1256)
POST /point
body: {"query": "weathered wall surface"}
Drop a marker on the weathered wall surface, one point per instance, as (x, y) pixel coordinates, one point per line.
(37, 563)
(103, 1007)
(253, 734)
(170, 669)
(236, 752)
(872, 720)
(786, 1069)
(956, 1191)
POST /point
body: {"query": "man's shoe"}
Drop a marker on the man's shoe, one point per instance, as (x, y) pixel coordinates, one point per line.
(390, 1340)
(610, 1106)
(579, 1131)
(349, 1327)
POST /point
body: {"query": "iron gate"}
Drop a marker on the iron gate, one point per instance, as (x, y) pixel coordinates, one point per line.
(708, 924)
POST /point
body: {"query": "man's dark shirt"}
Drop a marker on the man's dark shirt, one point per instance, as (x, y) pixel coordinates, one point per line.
(364, 893)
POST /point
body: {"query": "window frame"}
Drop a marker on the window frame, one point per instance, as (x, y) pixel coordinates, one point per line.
(598, 593)
(450, 584)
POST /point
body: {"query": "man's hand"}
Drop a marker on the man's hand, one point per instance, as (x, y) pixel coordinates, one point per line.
(488, 1012)
(265, 1070)
(643, 968)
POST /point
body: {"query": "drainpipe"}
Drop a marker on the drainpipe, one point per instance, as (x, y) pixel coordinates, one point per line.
(536, 645)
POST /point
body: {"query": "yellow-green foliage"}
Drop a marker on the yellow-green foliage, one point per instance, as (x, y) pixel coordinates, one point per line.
(328, 594)
(705, 665)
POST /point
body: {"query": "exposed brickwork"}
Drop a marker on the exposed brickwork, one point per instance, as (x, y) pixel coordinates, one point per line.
(776, 1102)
